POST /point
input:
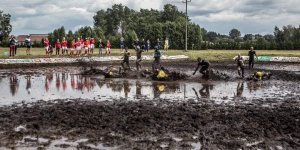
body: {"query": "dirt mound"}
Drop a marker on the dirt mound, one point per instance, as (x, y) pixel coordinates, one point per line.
(151, 124)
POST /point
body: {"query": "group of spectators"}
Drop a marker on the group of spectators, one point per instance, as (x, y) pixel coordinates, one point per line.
(81, 46)
(76, 47)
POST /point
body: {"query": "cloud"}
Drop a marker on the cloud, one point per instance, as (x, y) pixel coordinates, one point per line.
(250, 16)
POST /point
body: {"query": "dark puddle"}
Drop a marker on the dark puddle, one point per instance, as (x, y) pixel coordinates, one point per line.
(31, 88)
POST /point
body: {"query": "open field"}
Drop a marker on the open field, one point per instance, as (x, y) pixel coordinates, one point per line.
(193, 54)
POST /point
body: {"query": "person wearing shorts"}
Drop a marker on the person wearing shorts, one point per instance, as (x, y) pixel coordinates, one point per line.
(138, 58)
(46, 46)
(72, 47)
(78, 47)
(28, 45)
(64, 46)
(92, 45)
(108, 47)
(240, 65)
(86, 45)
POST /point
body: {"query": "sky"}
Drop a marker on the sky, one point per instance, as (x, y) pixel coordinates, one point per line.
(248, 16)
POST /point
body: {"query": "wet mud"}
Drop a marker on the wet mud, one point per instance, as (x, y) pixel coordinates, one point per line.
(154, 124)
(224, 112)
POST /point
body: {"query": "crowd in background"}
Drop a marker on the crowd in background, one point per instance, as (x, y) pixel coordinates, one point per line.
(81, 46)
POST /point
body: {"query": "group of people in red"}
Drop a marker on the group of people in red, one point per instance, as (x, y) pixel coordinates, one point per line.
(76, 48)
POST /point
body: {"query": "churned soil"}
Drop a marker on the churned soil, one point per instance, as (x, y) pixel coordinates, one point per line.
(157, 124)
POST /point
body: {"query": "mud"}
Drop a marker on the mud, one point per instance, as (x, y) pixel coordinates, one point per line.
(237, 115)
(153, 124)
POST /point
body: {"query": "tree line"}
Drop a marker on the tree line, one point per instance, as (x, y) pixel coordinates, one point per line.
(121, 21)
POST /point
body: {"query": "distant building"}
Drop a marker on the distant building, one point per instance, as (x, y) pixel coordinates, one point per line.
(33, 37)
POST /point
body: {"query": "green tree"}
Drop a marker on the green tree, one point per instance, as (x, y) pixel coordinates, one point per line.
(234, 33)
(5, 27)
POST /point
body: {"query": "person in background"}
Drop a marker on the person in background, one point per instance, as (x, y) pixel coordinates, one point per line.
(148, 45)
(122, 44)
(16, 47)
(166, 46)
(57, 47)
(108, 47)
(101, 46)
(251, 55)
(78, 47)
(86, 46)
(240, 65)
(64, 47)
(158, 43)
(143, 45)
(28, 45)
(72, 48)
(92, 45)
(46, 46)
(12, 46)
(156, 63)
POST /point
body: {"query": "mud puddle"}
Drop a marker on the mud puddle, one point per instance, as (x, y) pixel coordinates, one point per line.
(30, 88)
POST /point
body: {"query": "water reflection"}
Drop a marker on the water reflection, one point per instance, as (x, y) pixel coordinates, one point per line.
(28, 83)
(204, 92)
(64, 86)
(239, 89)
(14, 84)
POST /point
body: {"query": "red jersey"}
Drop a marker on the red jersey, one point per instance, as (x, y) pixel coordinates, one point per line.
(78, 44)
(72, 44)
(92, 41)
(86, 43)
(57, 44)
(46, 43)
(108, 44)
(81, 41)
(64, 43)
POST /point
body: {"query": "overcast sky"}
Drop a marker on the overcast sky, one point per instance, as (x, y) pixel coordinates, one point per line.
(249, 16)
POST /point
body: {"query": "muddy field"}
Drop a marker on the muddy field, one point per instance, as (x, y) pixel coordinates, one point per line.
(62, 109)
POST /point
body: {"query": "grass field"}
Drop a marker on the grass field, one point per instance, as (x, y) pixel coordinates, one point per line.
(193, 54)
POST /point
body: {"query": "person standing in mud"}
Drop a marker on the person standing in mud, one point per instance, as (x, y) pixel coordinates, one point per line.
(205, 65)
(156, 62)
(251, 55)
(125, 59)
(138, 58)
(240, 64)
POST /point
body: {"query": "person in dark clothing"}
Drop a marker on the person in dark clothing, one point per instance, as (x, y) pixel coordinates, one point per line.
(136, 43)
(125, 59)
(156, 62)
(205, 65)
(251, 55)
(158, 43)
(240, 64)
(12, 46)
(143, 45)
(148, 45)
(138, 57)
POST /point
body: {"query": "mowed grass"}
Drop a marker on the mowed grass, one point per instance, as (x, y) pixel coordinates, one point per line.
(193, 54)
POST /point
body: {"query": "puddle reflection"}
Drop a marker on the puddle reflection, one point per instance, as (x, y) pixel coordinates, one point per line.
(69, 86)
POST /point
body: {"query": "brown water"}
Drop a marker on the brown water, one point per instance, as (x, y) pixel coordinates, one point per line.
(31, 88)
